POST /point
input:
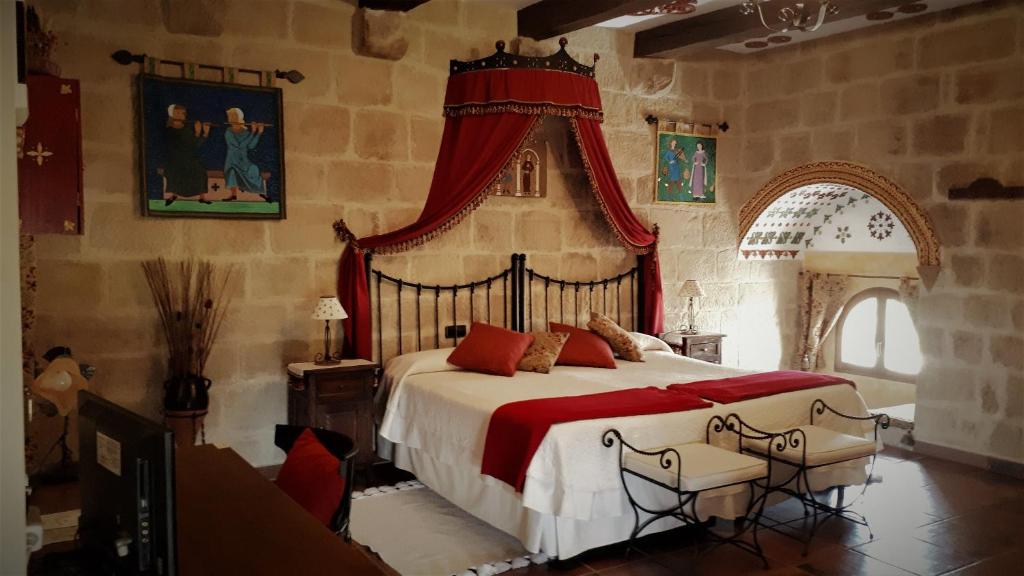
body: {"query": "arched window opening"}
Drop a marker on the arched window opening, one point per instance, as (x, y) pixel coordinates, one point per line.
(877, 337)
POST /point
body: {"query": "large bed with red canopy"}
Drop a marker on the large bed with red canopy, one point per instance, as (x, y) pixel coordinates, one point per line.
(492, 105)
(567, 494)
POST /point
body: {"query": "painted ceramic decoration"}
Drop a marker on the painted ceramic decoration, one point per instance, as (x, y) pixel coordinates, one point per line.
(685, 168)
(825, 217)
(211, 149)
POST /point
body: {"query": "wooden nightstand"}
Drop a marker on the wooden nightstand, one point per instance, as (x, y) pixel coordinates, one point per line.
(338, 398)
(704, 346)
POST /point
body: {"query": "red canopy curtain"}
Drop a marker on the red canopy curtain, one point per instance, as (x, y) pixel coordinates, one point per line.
(473, 151)
(630, 231)
(491, 105)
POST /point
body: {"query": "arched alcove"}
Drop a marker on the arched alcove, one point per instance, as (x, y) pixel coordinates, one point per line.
(831, 182)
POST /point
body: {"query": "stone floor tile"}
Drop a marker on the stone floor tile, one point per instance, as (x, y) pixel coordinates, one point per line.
(915, 555)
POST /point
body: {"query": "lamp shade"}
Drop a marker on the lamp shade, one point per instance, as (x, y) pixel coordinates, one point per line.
(60, 383)
(691, 289)
(328, 308)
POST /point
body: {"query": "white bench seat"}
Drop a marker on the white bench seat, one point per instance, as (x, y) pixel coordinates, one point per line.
(824, 447)
(703, 467)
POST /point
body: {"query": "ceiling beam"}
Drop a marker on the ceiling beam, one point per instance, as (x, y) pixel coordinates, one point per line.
(727, 26)
(394, 5)
(549, 18)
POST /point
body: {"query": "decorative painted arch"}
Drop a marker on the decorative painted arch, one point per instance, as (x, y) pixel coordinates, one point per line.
(916, 221)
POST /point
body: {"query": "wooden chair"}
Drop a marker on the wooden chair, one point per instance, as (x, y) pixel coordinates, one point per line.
(810, 447)
(341, 447)
(689, 470)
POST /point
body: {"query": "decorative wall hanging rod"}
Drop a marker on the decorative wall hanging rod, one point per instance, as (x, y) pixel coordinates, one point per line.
(125, 58)
(722, 126)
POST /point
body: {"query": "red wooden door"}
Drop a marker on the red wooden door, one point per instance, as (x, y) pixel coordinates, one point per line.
(50, 162)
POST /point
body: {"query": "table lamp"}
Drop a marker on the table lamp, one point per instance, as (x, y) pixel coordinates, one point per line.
(58, 386)
(328, 308)
(691, 289)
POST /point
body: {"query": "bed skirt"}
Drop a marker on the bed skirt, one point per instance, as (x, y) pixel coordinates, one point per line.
(499, 505)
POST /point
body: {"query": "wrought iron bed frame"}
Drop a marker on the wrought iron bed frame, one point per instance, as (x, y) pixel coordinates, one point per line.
(516, 285)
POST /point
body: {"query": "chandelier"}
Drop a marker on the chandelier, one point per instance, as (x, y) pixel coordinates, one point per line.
(802, 16)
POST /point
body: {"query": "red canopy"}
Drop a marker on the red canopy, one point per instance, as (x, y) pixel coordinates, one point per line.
(492, 105)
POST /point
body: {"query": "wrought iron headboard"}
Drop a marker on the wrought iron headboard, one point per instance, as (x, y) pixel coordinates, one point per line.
(510, 293)
(588, 288)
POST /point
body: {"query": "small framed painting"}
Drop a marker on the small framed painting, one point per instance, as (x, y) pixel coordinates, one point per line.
(685, 168)
(528, 176)
(210, 149)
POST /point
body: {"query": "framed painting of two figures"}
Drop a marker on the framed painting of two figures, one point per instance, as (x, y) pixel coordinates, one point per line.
(210, 149)
(685, 168)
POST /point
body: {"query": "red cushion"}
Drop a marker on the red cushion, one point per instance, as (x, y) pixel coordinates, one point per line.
(583, 348)
(490, 350)
(312, 477)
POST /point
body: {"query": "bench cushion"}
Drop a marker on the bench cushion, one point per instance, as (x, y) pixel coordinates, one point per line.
(704, 467)
(824, 446)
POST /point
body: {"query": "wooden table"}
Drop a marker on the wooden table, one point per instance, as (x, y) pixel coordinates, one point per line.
(232, 520)
(337, 397)
(706, 346)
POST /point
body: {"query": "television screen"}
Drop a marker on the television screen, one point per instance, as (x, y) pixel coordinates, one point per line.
(126, 477)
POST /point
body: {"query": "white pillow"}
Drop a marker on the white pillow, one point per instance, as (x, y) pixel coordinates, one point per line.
(647, 342)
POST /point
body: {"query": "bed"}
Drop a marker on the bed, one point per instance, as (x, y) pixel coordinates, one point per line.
(436, 417)
(433, 416)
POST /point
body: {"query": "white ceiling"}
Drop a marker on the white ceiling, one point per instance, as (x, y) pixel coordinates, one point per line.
(838, 27)
(638, 23)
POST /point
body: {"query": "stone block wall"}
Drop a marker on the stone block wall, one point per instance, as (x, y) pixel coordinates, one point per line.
(932, 103)
(362, 133)
(361, 136)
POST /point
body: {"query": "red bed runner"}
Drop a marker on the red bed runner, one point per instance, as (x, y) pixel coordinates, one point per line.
(517, 428)
(729, 390)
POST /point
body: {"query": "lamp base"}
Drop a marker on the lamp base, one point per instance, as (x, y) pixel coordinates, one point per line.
(321, 360)
(327, 358)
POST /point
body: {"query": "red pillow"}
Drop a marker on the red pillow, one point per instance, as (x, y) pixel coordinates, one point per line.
(490, 350)
(583, 348)
(312, 477)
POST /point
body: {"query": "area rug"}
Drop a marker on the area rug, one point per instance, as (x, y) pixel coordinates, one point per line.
(419, 533)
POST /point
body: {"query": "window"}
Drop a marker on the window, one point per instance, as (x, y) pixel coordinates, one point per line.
(876, 337)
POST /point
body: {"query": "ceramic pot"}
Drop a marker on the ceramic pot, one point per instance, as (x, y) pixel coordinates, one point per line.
(187, 425)
(187, 393)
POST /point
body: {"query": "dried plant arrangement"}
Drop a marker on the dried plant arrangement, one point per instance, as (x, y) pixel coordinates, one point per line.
(191, 298)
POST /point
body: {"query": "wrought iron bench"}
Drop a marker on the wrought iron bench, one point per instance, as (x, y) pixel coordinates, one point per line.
(810, 447)
(688, 470)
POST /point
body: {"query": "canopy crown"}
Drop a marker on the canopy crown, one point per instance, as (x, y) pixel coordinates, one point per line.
(560, 61)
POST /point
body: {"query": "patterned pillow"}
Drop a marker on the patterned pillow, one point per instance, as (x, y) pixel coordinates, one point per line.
(621, 342)
(541, 355)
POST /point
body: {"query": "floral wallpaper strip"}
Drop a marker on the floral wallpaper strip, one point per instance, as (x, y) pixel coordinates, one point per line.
(26, 245)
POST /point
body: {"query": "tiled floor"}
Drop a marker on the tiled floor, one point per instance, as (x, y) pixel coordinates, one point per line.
(929, 517)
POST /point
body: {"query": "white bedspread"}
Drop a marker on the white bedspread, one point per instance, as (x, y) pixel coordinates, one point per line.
(444, 412)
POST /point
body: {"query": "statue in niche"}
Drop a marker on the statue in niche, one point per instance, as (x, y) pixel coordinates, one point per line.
(527, 176)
